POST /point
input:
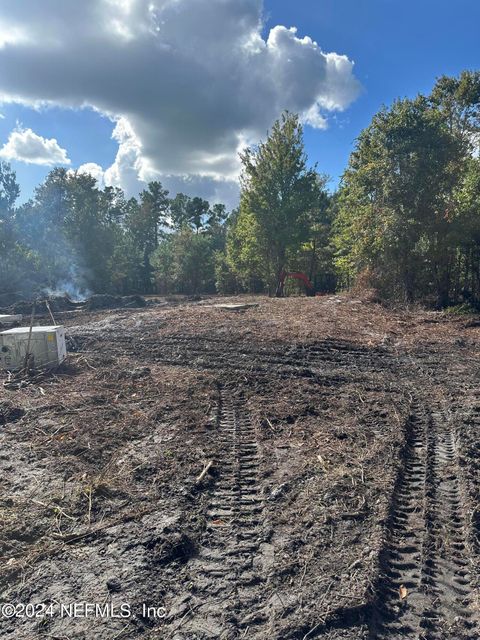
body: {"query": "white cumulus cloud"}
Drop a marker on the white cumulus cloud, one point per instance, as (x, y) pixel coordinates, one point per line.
(24, 145)
(95, 170)
(187, 82)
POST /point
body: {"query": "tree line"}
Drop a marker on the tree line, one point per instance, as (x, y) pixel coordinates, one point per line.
(405, 219)
(74, 237)
(408, 209)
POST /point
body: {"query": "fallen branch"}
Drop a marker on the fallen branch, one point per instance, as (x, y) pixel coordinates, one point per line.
(204, 472)
(50, 311)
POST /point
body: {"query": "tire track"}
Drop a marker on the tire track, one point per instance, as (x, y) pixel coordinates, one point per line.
(228, 572)
(323, 353)
(174, 349)
(424, 591)
(447, 578)
(401, 560)
(330, 364)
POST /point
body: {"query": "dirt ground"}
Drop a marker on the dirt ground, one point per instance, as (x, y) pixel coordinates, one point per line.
(303, 468)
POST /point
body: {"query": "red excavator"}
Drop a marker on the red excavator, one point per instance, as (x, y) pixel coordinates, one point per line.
(297, 275)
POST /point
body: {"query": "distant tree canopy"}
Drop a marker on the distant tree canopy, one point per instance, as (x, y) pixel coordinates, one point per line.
(73, 237)
(408, 205)
(14, 258)
(405, 219)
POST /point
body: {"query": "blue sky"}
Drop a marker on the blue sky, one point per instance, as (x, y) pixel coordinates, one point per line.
(85, 133)
(398, 49)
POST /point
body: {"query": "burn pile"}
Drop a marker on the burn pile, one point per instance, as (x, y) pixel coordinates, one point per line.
(60, 303)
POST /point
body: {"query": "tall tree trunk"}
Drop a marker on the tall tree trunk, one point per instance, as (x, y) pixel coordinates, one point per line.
(280, 286)
(313, 261)
(409, 286)
(444, 281)
(280, 282)
(147, 270)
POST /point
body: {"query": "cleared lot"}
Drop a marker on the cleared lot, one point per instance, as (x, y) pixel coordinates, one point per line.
(338, 444)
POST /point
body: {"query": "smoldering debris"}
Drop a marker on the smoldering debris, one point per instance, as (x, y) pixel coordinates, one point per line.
(106, 301)
(60, 303)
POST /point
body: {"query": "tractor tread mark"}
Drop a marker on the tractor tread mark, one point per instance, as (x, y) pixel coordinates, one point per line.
(230, 554)
(424, 590)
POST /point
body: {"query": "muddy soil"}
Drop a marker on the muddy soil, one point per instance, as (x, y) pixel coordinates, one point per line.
(306, 468)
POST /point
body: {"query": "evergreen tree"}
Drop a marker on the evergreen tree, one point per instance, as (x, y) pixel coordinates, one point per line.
(280, 191)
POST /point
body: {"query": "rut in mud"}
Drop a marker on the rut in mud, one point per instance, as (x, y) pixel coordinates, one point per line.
(213, 353)
(333, 362)
(425, 589)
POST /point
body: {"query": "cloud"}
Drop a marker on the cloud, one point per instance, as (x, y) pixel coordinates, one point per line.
(95, 170)
(23, 145)
(129, 173)
(132, 171)
(187, 82)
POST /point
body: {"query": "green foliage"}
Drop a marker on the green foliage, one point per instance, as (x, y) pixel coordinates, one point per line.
(9, 190)
(284, 219)
(225, 278)
(125, 265)
(406, 218)
(464, 309)
(244, 269)
(194, 213)
(185, 263)
(15, 259)
(145, 221)
(76, 238)
(409, 194)
(279, 193)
